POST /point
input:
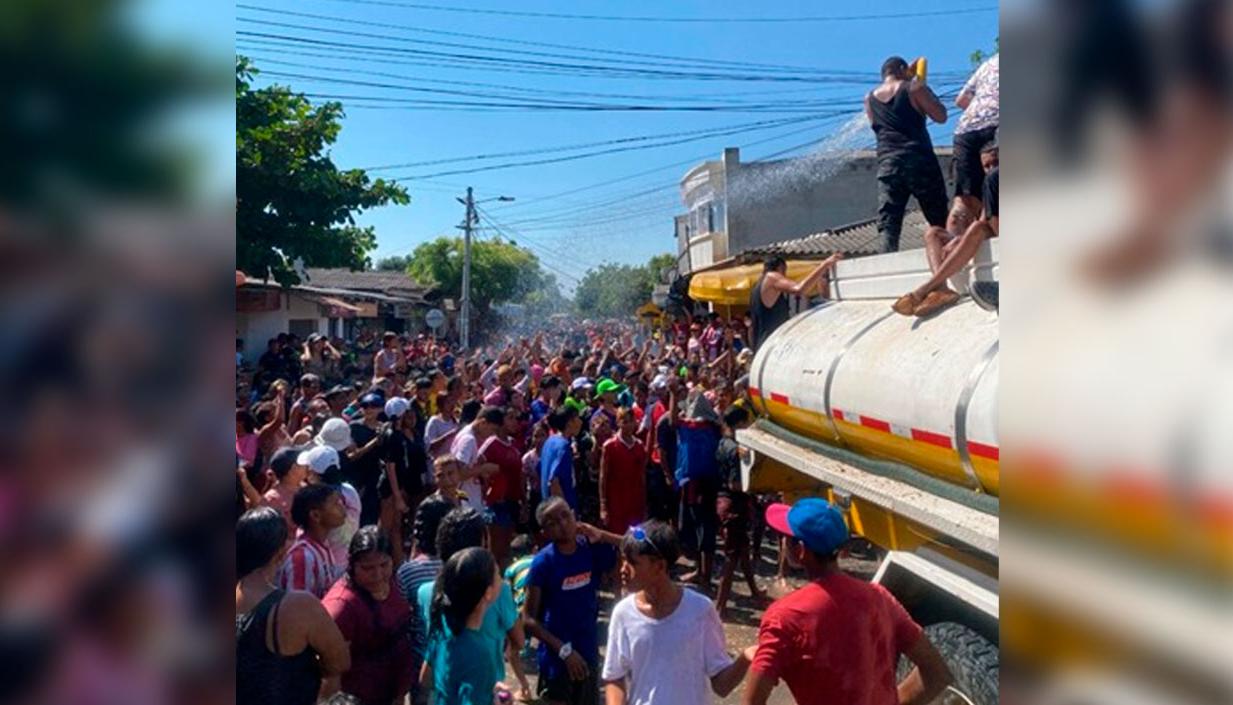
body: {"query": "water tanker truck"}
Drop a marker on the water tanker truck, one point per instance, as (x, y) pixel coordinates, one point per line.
(894, 419)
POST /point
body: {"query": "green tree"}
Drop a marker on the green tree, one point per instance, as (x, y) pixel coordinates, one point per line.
(616, 290)
(396, 263)
(292, 202)
(500, 271)
(978, 57)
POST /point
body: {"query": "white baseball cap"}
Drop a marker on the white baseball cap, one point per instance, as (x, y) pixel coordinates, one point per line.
(334, 433)
(319, 459)
(396, 407)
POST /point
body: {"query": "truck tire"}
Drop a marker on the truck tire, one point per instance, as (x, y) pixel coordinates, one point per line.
(972, 659)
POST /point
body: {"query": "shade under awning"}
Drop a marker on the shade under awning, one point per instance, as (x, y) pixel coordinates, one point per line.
(731, 286)
(337, 308)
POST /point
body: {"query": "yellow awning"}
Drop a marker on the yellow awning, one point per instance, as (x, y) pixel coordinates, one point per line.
(648, 310)
(731, 286)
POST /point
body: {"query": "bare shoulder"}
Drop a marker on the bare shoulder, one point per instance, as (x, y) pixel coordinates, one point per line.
(302, 604)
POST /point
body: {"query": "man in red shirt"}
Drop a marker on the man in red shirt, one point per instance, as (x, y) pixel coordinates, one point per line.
(622, 477)
(838, 639)
(503, 488)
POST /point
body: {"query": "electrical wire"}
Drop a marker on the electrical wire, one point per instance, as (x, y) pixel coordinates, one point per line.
(681, 20)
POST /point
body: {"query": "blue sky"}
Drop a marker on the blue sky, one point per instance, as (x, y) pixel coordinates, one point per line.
(627, 221)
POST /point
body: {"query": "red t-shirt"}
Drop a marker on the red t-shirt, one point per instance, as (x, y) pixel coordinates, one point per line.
(504, 485)
(381, 661)
(836, 640)
(624, 484)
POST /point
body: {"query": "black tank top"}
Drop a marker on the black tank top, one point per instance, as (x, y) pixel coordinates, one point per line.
(900, 128)
(766, 318)
(264, 677)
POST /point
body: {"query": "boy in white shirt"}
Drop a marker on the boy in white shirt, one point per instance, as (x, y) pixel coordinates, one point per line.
(665, 643)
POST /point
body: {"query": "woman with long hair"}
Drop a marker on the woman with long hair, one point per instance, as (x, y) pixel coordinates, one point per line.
(458, 662)
(375, 619)
(288, 650)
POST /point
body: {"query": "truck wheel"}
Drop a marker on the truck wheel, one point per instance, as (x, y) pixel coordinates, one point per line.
(972, 660)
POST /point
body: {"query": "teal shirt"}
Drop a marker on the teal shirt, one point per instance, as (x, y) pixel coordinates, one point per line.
(498, 620)
(461, 672)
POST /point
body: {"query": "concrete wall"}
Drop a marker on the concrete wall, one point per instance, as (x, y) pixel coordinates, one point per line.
(761, 203)
(257, 328)
(776, 201)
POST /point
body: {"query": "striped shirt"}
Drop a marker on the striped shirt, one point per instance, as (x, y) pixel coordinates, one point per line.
(308, 567)
(411, 575)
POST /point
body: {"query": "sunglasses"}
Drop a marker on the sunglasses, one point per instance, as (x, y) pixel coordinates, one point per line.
(639, 534)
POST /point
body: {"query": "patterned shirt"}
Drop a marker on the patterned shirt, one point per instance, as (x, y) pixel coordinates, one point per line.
(982, 87)
(308, 567)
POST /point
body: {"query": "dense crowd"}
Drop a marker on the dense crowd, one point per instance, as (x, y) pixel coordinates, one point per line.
(368, 470)
(410, 514)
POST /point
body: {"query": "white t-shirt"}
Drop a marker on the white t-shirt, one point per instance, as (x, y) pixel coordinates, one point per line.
(339, 540)
(466, 448)
(667, 661)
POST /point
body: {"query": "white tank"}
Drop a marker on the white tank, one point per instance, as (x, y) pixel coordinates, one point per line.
(922, 392)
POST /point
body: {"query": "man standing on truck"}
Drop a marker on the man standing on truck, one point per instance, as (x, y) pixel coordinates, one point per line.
(907, 165)
(768, 303)
(838, 639)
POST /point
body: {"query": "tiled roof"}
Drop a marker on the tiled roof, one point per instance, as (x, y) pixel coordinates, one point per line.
(388, 282)
(853, 240)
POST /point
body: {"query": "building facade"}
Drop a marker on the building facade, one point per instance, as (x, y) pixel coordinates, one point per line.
(733, 207)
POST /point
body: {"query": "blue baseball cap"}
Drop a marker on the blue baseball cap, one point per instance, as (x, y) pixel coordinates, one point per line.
(816, 522)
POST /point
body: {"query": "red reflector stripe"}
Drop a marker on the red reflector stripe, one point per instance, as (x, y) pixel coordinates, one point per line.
(981, 450)
(837, 414)
(878, 424)
(782, 399)
(931, 438)
(755, 392)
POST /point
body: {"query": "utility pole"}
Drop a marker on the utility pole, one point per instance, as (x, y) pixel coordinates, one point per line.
(465, 329)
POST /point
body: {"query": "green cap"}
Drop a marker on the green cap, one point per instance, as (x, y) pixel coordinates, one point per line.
(607, 385)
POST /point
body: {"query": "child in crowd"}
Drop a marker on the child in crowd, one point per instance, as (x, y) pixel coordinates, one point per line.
(457, 663)
(733, 508)
(562, 605)
(665, 642)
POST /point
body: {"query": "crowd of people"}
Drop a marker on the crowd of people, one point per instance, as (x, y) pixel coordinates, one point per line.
(410, 516)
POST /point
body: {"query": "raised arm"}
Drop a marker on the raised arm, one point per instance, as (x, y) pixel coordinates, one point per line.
(924, 99)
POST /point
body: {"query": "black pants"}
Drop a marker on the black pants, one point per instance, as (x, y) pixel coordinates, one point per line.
(699, 519)
(900, 177)
(969, 175)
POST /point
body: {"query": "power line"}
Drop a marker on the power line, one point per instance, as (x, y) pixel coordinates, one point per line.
(660, 62)
(592, 69)
(571, 47)
(264, 60)
(583, 145)
(687, 20)
(575, 157)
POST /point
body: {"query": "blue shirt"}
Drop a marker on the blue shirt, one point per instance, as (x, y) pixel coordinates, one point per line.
(498, 620)
(556, 461)
(539, 409)
(461, 675)
(569, 599)
(696, 443)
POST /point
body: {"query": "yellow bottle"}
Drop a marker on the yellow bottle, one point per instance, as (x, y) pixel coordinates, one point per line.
(921, 66)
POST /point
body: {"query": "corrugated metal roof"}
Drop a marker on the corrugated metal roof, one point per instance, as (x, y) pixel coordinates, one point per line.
(857, 239)
(379, 281)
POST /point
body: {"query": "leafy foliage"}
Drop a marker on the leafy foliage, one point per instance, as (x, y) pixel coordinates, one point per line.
(978, 57)
(500, 271)
(395, 263)
(292, 202)
(616, 290)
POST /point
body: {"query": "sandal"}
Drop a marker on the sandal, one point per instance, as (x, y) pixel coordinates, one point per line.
(907, 304)
(935, 301)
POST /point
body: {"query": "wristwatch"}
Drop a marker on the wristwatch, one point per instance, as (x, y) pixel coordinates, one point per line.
(566, 650)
